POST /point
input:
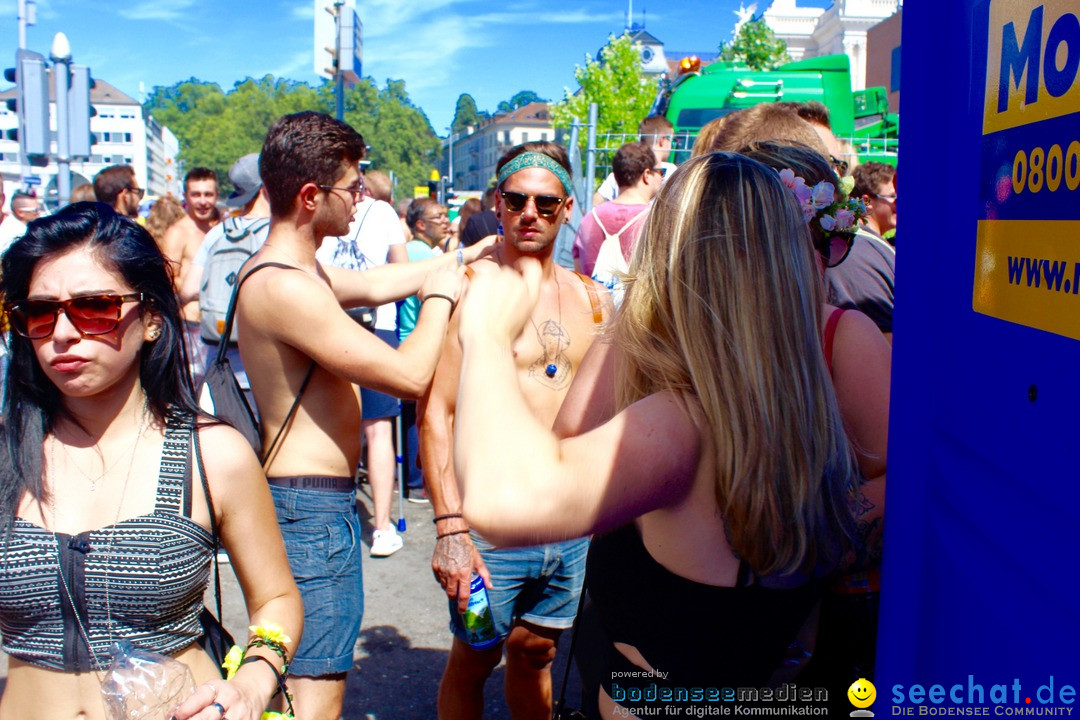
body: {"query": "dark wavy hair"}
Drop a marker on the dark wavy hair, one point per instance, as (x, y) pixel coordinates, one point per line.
(32, 403)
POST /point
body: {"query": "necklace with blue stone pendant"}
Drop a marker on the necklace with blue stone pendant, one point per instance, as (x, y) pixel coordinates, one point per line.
(551, 369)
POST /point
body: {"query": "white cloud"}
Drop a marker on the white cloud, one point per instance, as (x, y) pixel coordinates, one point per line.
(303, 12)
(158, 10)
(299, 61)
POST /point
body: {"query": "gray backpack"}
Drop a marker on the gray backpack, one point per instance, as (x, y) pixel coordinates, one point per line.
(241, 239)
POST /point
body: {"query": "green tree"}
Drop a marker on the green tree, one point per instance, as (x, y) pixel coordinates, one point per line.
(617, 85)
(757, 46)
(466, 113)
(519, 100)
(215, 128)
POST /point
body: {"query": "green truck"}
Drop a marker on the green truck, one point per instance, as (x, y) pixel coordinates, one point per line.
(862, 117)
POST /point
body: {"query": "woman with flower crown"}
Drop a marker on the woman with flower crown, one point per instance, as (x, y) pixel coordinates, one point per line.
(107, 529)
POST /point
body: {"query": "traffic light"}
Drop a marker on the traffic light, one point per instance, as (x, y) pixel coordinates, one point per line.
(31, 104)
(433, 185)
(79, 112)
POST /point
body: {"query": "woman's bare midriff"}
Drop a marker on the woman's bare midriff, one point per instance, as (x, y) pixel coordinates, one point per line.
(34, 693)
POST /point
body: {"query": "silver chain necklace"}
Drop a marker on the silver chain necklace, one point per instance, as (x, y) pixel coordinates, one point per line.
(105, 470)
(98, 665)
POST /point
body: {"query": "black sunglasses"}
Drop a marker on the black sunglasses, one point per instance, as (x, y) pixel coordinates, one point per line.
(141, 192)
(89, 314)
(546, 205)
(835, 248)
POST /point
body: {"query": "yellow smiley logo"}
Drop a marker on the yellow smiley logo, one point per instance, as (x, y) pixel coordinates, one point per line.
(862, 693)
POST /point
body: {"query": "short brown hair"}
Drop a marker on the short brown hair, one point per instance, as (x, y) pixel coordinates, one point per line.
(869, 176)
(761, 123)
(199, 173)
(301, 148)
(416, 211)
(110, 182)
(552, 150)
(632, 161)
(654, 126)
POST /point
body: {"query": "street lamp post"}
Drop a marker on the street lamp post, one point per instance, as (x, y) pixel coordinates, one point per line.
(61, 57)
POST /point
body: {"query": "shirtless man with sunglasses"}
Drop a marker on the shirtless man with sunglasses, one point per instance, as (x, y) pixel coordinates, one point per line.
(533, 592)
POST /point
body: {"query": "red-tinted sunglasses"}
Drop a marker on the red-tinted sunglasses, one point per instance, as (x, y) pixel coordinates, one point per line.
(89, 314)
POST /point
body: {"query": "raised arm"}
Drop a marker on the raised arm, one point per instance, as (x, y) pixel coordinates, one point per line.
(315, 325)
(393, 281)
(643, 459)
(455, 558)
(590, 401)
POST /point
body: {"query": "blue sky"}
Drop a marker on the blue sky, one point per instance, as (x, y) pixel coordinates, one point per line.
(441, 48)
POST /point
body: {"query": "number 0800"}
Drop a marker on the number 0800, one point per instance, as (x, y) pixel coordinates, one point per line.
(1038, 168)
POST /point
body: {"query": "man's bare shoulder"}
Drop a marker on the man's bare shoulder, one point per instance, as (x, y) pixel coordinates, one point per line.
(183, 238)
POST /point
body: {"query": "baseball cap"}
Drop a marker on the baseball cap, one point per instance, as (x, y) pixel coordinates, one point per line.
(244, 175)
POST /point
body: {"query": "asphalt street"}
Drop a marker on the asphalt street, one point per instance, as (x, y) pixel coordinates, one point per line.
(404, 639)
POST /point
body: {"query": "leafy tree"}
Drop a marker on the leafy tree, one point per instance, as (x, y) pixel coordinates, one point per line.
(519, 100)
(757, 46)
(466, 113)
(619, 87)
(215, 128)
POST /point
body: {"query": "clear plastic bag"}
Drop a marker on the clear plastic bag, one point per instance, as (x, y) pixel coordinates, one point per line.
(144, 685)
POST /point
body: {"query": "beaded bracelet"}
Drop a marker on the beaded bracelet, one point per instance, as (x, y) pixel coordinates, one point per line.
(440, 536)
(447, 516)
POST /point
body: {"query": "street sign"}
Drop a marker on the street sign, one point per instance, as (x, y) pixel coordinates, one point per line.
(31, 180)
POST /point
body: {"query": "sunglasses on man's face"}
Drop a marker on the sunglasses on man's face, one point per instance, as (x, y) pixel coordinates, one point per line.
(835, 249)
(546, 205)
(89, 314)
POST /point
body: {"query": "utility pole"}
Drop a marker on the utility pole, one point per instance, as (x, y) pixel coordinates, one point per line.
(339, 77)
(27, 16)
(61, 57)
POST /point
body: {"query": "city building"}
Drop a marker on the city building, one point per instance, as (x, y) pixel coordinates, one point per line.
(125, 134)
(883, 58)
(840, 29)
(475, 152)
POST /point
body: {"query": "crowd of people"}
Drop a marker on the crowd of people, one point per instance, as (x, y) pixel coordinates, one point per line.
(675, 450)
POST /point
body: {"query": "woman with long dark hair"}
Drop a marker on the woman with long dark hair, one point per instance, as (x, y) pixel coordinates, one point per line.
(106, 528)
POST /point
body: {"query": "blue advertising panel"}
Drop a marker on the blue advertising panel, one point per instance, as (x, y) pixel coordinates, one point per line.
(980, 614)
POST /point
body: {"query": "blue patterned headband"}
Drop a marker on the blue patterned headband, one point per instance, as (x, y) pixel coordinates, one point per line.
(532, 159)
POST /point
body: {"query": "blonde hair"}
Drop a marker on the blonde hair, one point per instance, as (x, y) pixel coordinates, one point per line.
(165, 211)
(723, 303)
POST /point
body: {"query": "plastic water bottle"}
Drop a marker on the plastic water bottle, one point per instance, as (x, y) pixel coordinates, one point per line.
(477, 619)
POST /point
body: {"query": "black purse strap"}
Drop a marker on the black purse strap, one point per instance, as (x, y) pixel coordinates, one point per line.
(210, 506)
(560, 704)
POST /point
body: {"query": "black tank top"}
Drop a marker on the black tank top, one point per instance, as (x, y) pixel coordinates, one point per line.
(695, 635)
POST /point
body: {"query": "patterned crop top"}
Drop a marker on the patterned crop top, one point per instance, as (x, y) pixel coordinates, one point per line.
(149, 573)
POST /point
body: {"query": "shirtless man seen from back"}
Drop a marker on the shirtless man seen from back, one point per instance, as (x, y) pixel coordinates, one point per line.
(291, 322)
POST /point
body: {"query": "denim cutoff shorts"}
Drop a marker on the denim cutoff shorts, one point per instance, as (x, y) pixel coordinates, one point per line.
(540, 585)
(321, 530)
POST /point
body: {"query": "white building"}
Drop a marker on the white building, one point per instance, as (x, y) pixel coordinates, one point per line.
(841, 29)
(477, 150)
(125, 135)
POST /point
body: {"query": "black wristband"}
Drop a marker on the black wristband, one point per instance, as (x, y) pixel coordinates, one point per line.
(440, 536)
(447, 516)
(447, 298)
(277, 673)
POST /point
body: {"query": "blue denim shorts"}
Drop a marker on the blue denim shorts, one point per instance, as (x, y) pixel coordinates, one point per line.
(322, 539)
(374, 404)
(539, 585)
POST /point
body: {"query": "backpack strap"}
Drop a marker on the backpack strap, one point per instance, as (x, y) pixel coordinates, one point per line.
(223, 349)
(230, 314)
(594, 299)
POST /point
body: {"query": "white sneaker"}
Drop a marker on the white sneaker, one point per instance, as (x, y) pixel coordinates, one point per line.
(385, 542)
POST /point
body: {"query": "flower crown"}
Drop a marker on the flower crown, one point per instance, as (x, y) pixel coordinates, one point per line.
(819, 209)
